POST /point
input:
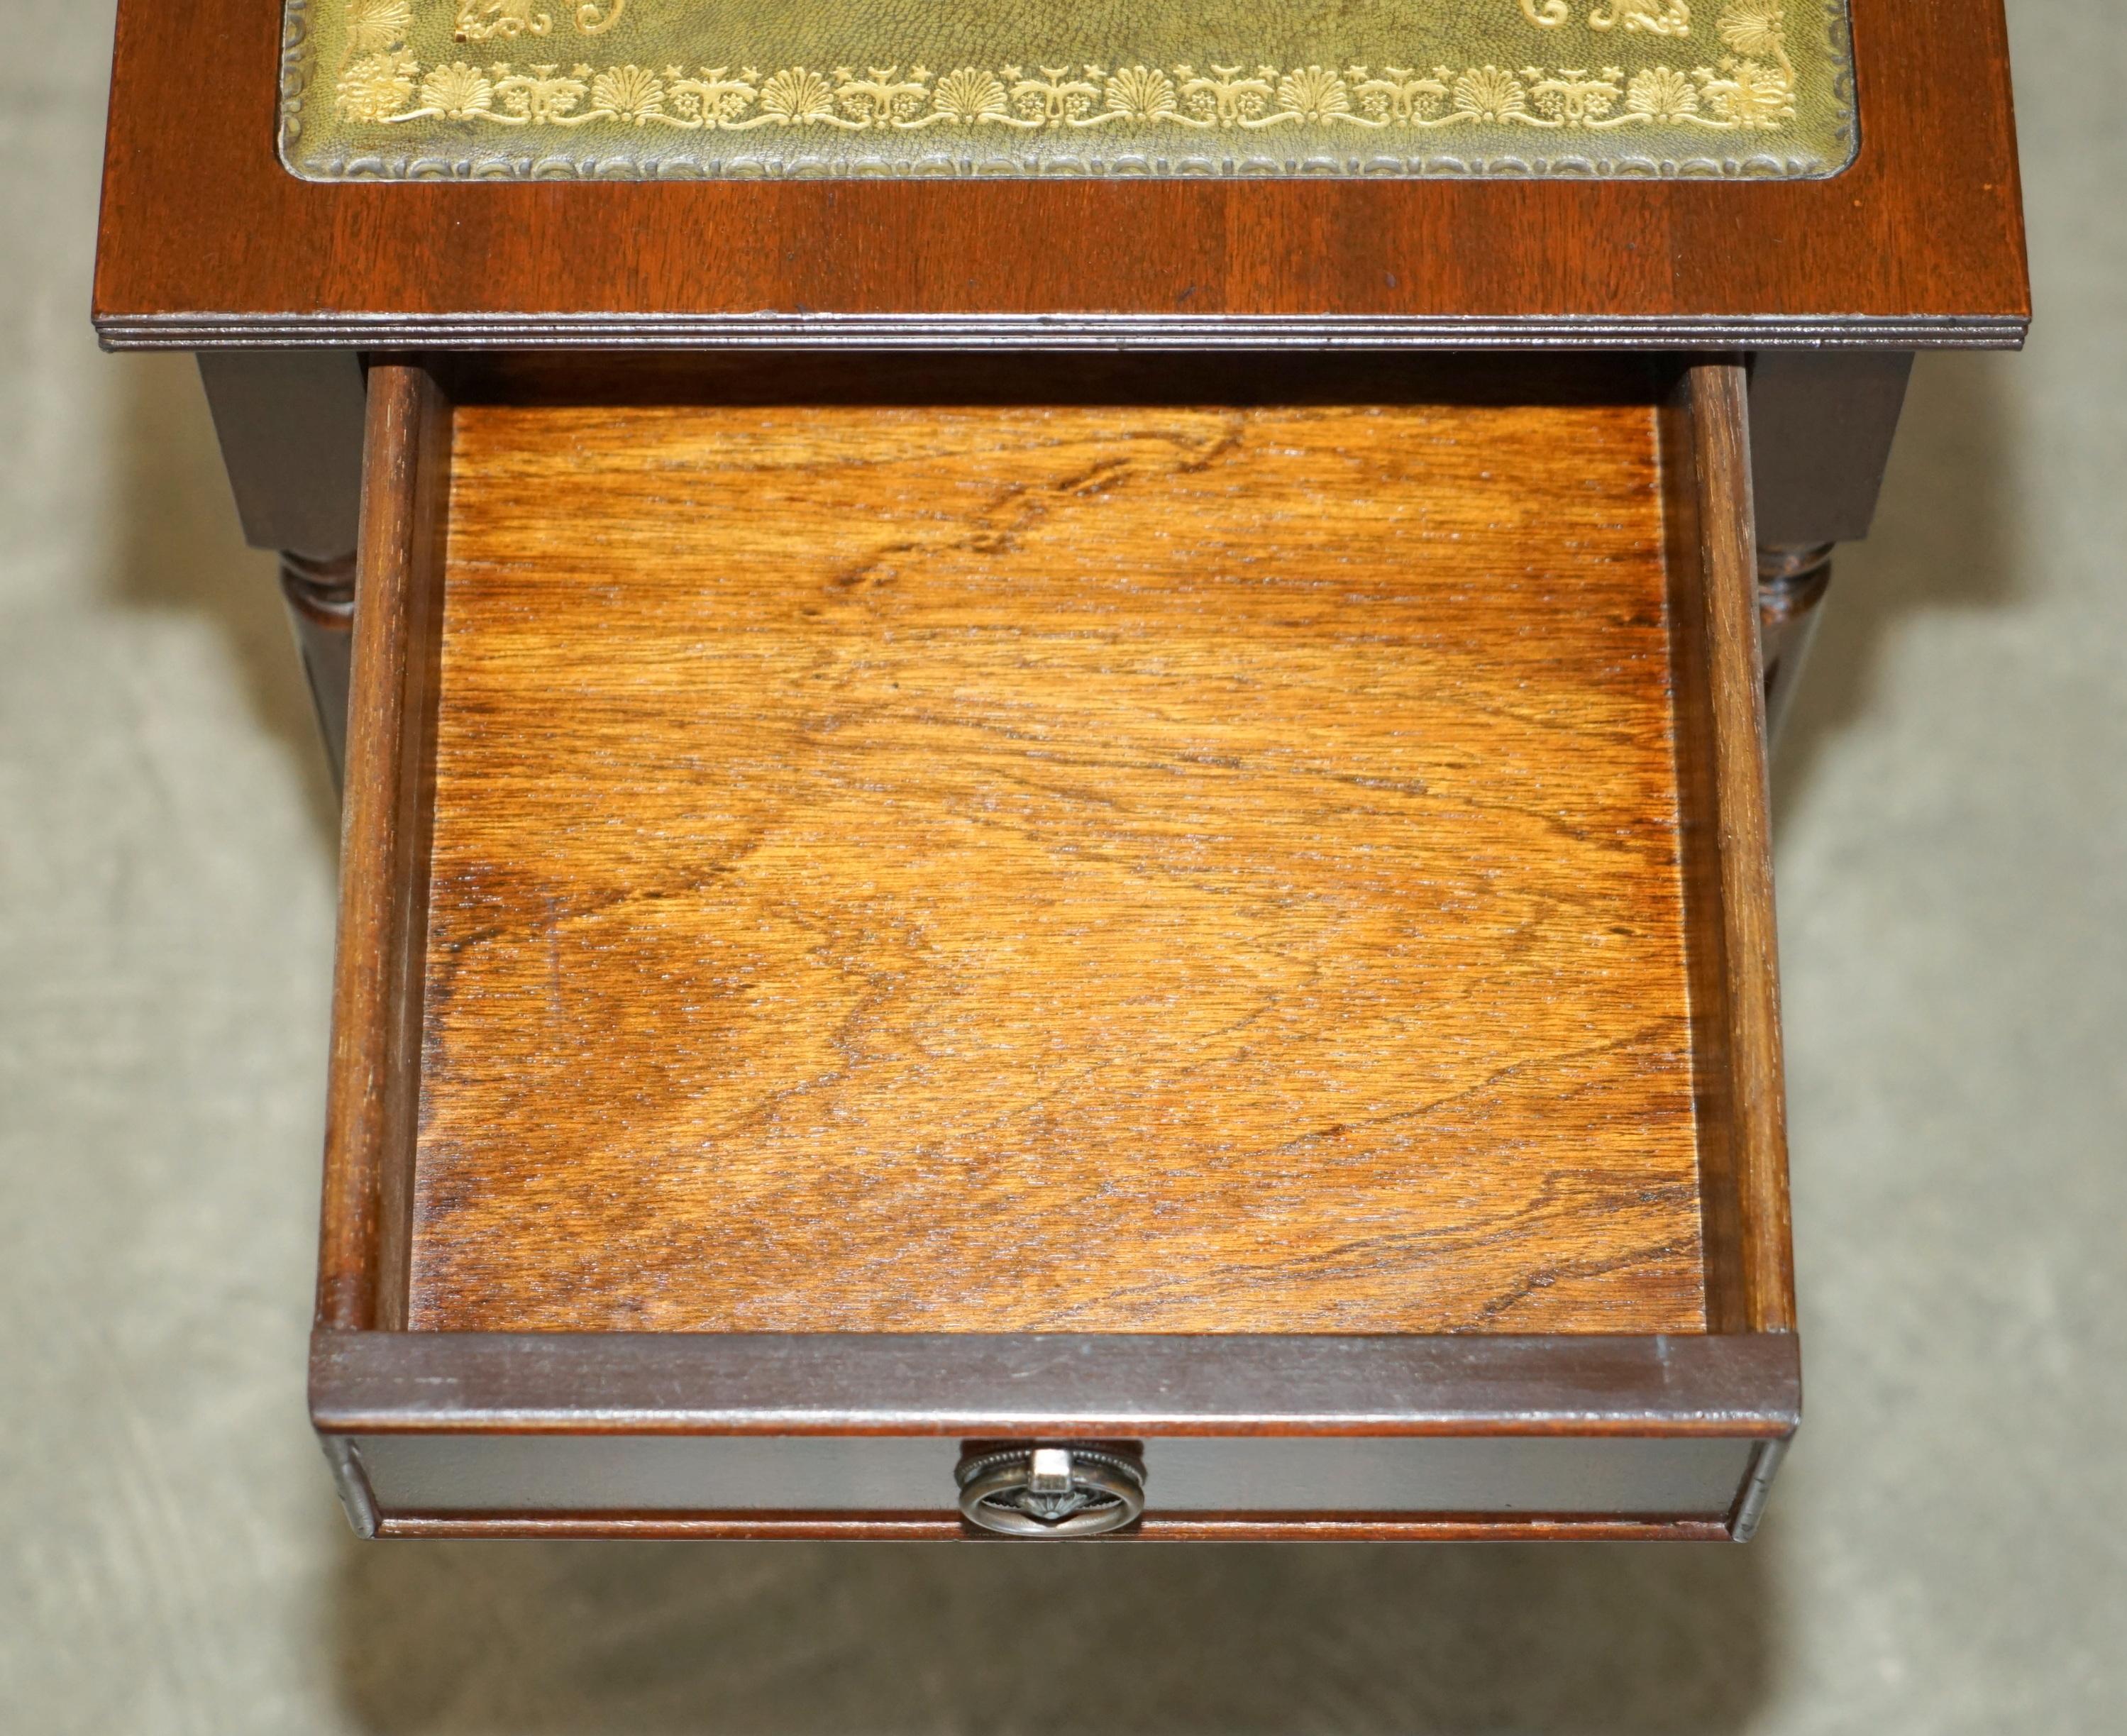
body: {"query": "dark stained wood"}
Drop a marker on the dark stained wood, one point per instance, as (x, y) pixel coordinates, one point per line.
(207, 241)
(1728, 856)
(1700, 860)
(1821, 424)
(926, 379)
(321, 598)
(1057, 869)
(1700, 730)
(1735, 692)
(1792, 583)
(1742, 1381)
(290, 425)
(1055, 1386)
(374, 1092)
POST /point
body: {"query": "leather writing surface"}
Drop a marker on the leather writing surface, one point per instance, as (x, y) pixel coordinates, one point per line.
(690, 89)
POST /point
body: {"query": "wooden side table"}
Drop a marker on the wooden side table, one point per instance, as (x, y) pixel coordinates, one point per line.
(1055, 814)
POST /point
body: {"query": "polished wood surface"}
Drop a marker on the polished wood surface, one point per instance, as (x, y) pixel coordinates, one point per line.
(1792, 585)
(1755, 1106)
(1056, 868)
(1682, 654)
(206, 240)
(1057, 1386)
(615, 1391)
(321, 598)
(1727, 854)
(374, 1093)
(292, 426)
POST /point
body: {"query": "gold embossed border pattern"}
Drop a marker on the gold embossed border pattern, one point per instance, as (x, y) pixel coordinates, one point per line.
(692, 89)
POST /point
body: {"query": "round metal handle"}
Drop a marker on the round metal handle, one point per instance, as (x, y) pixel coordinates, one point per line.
(1051, 1491)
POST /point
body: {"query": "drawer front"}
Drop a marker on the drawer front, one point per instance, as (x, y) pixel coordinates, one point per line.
(445, 1476)
(1235, 1436)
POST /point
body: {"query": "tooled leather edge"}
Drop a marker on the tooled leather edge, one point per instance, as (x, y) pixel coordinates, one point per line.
(1303, 95)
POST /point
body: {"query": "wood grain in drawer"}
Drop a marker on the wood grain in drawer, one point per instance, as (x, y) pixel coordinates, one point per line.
(1056, 868)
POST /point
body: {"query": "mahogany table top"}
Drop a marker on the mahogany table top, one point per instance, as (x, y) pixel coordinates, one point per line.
(209, 239)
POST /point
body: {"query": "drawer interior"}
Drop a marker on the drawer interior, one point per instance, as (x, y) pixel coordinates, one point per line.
(1116, 854)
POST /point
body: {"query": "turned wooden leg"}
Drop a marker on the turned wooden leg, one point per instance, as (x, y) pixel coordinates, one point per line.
(1791, 586)
(321, 597)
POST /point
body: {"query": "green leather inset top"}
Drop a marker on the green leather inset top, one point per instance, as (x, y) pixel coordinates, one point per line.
(688, 89)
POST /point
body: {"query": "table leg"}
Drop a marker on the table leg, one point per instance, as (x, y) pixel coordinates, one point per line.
(321, 598)
(1791, 586)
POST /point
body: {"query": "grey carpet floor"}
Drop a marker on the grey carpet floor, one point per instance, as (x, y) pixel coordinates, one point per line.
(1947, 1551)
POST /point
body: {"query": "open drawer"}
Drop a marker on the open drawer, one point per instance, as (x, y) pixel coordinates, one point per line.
(1212, 922)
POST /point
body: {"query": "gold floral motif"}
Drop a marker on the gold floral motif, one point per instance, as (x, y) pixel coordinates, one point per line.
(969, 96)
(1055, 97)
(482, 21)
(485, 20)
(634, 94)
(1656, 18)
(881, 95)
(376, 25)
(795, 97)
(541, 98)
(375, 87)
(1394, 96)
(1225, 96)
(1750, 95)
(1753, 30)
(1572, 98)
(1662, 94)
(381, 83)
(457, 92)
(1144, 94)
(1488, 94)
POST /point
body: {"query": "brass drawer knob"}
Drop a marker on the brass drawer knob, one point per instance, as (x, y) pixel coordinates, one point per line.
(1051, 1491)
